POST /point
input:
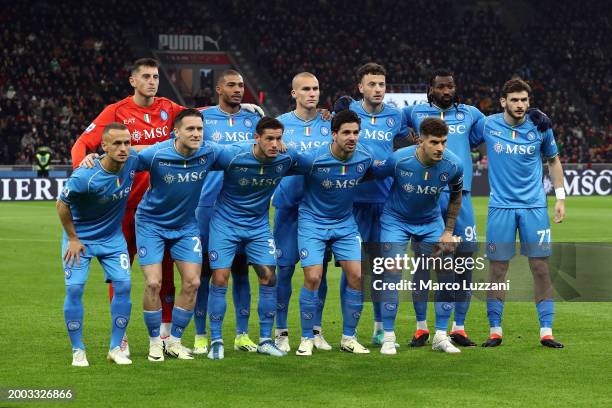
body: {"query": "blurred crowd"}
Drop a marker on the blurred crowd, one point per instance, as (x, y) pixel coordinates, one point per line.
(63, 62)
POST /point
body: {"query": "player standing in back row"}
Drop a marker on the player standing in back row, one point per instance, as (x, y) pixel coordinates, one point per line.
(305, 130)
(225, 123)
(461, 120)
(516, 148)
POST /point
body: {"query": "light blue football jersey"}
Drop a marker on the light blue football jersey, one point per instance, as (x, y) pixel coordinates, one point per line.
(301, 135)
(331, 185)
(175, 182)
(461, 121)
(378, 130)
(416, 188)
(515, 161)
(97, 199)
(225, 129)
(248, 184)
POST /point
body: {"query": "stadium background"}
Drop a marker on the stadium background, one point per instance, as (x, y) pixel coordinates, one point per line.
(62, 62)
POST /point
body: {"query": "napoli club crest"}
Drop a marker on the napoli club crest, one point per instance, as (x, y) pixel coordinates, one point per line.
(460, 116)
(303, 253)
(390, 122)
(248, 123)
(142, 251)
(443, 176)
(213, 255)
(163, 114)
(531, 136)
(324, 131)
(360, 168)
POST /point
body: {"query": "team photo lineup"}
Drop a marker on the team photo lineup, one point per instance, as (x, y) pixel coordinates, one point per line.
(192, 187)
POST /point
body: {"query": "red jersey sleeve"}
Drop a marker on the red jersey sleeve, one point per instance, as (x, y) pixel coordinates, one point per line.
(91, 138)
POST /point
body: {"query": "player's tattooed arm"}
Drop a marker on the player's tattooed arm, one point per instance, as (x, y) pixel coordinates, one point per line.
(448, 242)
(454, 205)
(556, 174)
(75, 247)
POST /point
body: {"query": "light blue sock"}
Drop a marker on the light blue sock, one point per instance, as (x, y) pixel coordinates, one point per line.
(266, 309)
(308, 308)
(216, 310)
(121, 308)
(389, 304)
(353, 301)
(201, 306)
(153, 320)
(444, 300)
(343, 286)
(73, 315)
(322, 294)
(241, 294)
(546, 312)
(420, 297)
(180, 320)
(283, 294)
(495, 310)
(462, 297)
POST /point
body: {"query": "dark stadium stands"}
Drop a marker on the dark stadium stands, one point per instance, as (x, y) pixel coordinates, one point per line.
(62, 63)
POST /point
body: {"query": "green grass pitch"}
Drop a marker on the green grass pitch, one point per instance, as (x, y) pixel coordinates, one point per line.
(520, 373)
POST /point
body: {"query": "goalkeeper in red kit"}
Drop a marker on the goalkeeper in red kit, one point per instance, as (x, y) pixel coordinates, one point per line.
(149, 120)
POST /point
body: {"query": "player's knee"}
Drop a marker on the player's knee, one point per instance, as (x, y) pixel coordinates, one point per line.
(268, 280)
(540, 271)
(312, 280)
(153, 285)
(122, 288)
(74, 292)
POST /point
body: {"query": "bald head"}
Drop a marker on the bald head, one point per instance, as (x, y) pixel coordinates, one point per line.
(297, 79)
(305, 91)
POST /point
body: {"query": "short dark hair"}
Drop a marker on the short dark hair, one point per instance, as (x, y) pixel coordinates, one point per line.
(186, 113)
(515, 85)
(342, 117)
(433, 127)
(225, 73)
(113, 126)
(370, 68)
(268, 122)
(144, 62)
(441, 72)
